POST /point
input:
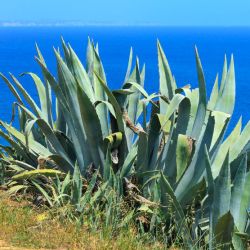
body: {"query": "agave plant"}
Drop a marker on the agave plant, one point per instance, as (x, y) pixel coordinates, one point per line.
(178, 157)
(178, 144)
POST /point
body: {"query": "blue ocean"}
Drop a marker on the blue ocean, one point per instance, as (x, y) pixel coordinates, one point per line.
(17, 51)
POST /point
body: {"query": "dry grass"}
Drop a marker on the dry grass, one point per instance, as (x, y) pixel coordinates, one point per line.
(20, 227)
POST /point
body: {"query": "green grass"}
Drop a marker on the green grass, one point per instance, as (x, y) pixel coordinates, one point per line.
(24, 226)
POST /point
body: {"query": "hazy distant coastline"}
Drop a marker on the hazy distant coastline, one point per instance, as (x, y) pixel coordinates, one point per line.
(86, 24)
(69, 24)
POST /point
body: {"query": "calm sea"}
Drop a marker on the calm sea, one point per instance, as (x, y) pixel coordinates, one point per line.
(17, 52)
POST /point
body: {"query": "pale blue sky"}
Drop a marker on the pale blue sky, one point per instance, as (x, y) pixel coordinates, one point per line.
(130, 12)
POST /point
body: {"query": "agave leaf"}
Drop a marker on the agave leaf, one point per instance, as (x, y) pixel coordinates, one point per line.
(237, 191)
(35, 146)
(26, 110)
(57, 89)
(61, 163)
(81, 75)
(13, 190)
(194, 192)
(142, 153)
(184, 149)
(167, 84)
(60, 123)
(97, 48)
(87, 195)
(67, 144)
(114, 139)
(47, 87)
(221, 121)
(19, 149)
(90, 60)
(119, 119)
(193, 96)
(244, 205)
(73, 118)
(144, 126)
(237, 147)
(100, 93)
(98, 194)
(114, 102)
(107, 164)
(43, 192)
(183, 116)
(224, 230)
(128, 163)
(36, 173)
(121, 97)
(210, 191)
(154, 141)
(66, 54)
(22, 117)
(27, 131)
(224, 77)
(92, 127)
(180, 217)
(109, 106)
(65, 184)
(201, 109)
(224, 147)
(127, 219)
(226, 99)
(210, 179)
(41, 92)
(27, 97)
(196, 169)
(67, 82)
(15, 168)
(52, 139)
(40, 56)
(214, 95)
(142, 75)
(182, 89)
(173, 106)
(142, 107)
(238, 242)
(222, 195)
(129, 65)
(22, 164)
(137, 88)
(77, 186)
(133, 99)
(181, 128)
(12, 88)
(125, 91)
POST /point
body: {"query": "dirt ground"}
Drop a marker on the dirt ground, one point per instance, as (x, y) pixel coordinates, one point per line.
(5, 246)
